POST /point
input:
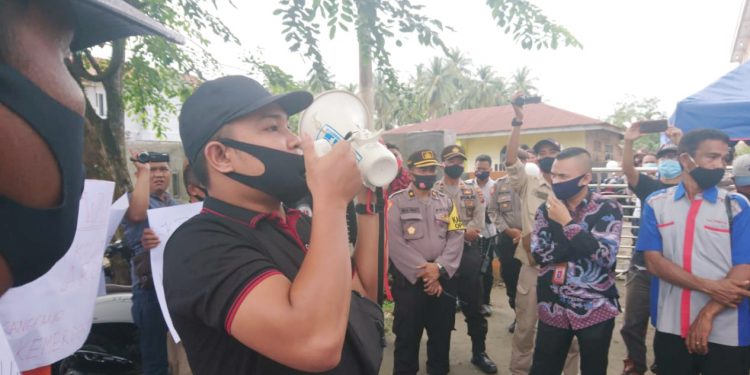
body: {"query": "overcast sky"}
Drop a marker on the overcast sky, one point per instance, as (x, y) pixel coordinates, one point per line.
(642, 48)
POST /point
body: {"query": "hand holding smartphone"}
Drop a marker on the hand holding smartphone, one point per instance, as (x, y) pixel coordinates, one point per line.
(653, 126)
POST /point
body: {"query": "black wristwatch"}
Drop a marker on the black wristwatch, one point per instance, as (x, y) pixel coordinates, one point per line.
(441, 269)
(516, 122)
(366, 209)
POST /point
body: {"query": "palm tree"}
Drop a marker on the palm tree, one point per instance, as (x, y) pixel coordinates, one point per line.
(484, 90)
(438, 85)
(522, 81)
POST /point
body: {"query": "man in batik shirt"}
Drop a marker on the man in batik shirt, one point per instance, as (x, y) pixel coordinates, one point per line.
(575, 242)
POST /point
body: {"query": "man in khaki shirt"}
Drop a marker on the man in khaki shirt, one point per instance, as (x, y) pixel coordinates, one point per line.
(533, 190)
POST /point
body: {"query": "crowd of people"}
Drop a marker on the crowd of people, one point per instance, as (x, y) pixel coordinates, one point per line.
(688, 271)
(254, 286)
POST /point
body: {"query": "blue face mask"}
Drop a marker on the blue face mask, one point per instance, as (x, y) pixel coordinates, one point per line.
(568, 189)
(669, 169)
(649, 165)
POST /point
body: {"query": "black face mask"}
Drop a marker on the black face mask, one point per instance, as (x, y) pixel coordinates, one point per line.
(545, 164)
(284, 175)
(424, 182)
(707, 178)
(29, 254)
(454, 171)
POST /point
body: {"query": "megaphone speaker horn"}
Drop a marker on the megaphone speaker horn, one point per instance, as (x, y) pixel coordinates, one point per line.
(338, 115)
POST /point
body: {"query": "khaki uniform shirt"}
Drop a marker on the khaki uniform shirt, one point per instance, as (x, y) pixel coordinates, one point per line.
(422, 231)
(469, 200)
(504, 206)
(533, 191)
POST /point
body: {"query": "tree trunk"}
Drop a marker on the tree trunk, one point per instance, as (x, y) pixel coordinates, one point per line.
(104, 139)
(366, 91)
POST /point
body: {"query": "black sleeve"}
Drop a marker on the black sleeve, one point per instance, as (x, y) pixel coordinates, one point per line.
(646, 186)
(208, 272)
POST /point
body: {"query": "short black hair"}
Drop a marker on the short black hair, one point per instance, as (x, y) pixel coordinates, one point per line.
(391, 146)
(188, 177)
(483, 157)
(573, 152)
(692, 140)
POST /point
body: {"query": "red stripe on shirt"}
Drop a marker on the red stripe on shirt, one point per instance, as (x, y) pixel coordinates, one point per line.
(716, 229)
(687, 265)
(665, 224)
(241, 298)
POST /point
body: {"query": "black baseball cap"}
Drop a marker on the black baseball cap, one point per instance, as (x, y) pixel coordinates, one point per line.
(422, 158)
(220, 101)
(546, 142)
(99, 21)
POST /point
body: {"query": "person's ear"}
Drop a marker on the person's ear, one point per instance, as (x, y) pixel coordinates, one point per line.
(587, 178)
(219, 157)
(686, 161)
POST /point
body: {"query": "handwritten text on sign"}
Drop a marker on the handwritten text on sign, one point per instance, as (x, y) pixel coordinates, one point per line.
(49, 319)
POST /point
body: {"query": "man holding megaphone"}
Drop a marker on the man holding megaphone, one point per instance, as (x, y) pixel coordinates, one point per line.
(252, 286)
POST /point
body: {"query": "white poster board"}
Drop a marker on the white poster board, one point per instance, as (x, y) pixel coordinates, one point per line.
(164, 221)
(49, 319)
(116, 213)
(8, 364)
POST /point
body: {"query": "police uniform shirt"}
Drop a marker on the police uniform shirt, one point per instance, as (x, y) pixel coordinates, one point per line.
(504, 206)
(533, 191)
(469, 200)
(422, 231)
(211, 263)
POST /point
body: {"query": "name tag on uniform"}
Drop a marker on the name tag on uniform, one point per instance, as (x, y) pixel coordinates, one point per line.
(558, 275)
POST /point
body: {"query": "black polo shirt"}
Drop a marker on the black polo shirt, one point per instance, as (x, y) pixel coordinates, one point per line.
(211, 263)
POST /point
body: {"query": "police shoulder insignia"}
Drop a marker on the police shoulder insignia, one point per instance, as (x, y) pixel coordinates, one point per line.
(455, 222)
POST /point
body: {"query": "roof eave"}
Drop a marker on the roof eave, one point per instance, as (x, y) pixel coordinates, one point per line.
(567, 128)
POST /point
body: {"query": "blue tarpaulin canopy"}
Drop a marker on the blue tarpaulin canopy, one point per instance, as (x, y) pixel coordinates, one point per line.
(723, 105)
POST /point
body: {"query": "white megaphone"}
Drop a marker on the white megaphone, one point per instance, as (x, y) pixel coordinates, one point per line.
(338, 115)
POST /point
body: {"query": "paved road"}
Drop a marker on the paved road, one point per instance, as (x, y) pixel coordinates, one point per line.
(498, 341)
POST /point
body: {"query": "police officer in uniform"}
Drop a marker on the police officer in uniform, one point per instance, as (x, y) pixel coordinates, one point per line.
(468, 199)
(425, 246)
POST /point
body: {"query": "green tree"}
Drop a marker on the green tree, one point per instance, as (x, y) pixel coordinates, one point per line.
(523, 81)
(631, 110)
(142, 76)
(378, 22)
(484, 89)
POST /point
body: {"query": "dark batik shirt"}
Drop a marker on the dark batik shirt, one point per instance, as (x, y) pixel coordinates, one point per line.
(588, 246)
